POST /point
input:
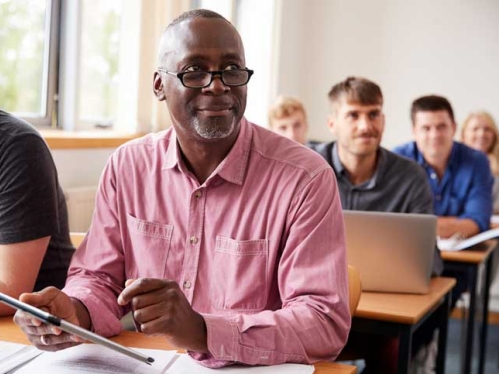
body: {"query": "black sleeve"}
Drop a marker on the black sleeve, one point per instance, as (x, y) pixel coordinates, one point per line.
(28, 190)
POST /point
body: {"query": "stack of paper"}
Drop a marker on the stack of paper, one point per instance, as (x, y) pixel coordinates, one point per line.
(186, 365)
(93, 358)
(13, 355)
(454, 244)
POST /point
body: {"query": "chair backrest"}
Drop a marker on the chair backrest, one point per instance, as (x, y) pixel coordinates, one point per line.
(354, 288)
(77, 238)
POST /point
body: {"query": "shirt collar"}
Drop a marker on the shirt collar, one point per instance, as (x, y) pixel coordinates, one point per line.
(172, 155)
(340, 169)
(233, 166)
(337, 165)
(450, 162)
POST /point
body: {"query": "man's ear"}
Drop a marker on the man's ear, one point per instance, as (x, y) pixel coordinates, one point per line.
(330, 124)
(157, 87)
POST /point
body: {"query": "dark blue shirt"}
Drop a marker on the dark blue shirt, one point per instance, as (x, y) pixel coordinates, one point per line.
(465, 190)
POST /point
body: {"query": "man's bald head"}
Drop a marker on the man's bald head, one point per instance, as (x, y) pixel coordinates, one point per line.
(189, 15)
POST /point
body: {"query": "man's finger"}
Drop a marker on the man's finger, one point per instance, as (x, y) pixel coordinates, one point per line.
(140, 286)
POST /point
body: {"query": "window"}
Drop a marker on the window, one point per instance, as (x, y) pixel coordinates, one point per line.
(87, 64)
(28, 58)
(91, 35)
(99, 61)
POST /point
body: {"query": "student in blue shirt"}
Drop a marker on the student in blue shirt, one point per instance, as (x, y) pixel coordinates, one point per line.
(459, 176)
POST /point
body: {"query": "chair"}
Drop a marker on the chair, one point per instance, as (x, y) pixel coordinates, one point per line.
(77, 238)
(354, 289)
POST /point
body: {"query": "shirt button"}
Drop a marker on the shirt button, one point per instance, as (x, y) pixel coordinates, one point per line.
(433, 176)
(197, 195)
(193, 239)
(187, 284)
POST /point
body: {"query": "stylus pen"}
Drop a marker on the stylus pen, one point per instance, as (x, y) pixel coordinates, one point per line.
(73, 329)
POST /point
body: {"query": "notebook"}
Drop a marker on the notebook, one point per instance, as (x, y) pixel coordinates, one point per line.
(393, 252)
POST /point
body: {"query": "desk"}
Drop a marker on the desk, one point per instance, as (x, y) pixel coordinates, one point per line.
(469, 261)
(9, 331)
(401, 314)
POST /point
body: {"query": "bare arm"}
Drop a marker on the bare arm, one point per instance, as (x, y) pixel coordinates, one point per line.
(448, 226)
(19, 267)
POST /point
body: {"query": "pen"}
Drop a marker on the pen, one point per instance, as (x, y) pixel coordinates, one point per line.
(73, 329)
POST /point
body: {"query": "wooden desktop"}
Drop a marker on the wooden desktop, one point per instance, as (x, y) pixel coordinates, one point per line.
(10, 332)
(399, 315)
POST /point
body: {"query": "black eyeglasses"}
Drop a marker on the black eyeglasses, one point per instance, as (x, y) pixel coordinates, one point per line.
(202, 79)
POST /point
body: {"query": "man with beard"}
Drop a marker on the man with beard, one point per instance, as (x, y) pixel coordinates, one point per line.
(222, 237)
(374, 179)
(369, 176)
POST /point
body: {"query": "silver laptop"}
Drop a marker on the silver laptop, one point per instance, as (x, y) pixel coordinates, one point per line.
(393, 252)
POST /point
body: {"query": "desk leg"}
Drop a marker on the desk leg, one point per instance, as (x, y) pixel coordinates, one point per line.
(470, 328)
(405, 341)
(443, 324)
(485, 314)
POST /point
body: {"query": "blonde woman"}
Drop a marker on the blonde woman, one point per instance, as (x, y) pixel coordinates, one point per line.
(480, 132)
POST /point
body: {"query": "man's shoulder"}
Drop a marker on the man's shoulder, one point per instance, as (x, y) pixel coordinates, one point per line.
(322, 148)
(401, 167)
(407, 149)
(12, 127)
(278, 149)
(148, 143)
(468, 154)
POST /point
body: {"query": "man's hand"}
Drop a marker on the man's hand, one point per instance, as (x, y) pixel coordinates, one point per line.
(449, 226)
(160, 307)
(43, 336)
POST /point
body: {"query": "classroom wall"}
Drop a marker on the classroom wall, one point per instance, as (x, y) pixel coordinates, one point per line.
(80, 167)
(447, 47)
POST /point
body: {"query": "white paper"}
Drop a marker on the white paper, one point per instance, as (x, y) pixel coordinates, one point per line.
(12, 355)
(494, 219)
(457, 245)
(184, 364)
(93, 358)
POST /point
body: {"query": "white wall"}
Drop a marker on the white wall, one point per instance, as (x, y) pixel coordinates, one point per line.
(446, 47)
(80, 167)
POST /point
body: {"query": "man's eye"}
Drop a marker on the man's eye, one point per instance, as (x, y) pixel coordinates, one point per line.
(192, 68)
(232, 67)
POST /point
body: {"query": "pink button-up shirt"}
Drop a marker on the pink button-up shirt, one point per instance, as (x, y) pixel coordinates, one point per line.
(258, 249)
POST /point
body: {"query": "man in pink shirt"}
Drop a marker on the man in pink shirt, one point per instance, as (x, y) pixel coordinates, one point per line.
(219, 235)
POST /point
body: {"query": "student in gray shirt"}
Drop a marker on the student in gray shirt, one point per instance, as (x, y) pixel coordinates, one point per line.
(369, 176)
(374, 179)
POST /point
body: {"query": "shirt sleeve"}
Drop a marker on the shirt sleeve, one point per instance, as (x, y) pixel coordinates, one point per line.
(478, 202)
(96, 275)
(28, 191)
(314, 320)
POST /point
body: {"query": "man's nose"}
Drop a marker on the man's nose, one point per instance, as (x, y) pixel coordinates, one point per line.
(364, 123)
(217, 86)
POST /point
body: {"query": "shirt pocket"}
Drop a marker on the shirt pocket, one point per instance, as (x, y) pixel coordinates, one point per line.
(147, 250)
(240, 274)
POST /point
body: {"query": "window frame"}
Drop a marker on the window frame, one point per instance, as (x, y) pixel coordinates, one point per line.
(50, 70)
